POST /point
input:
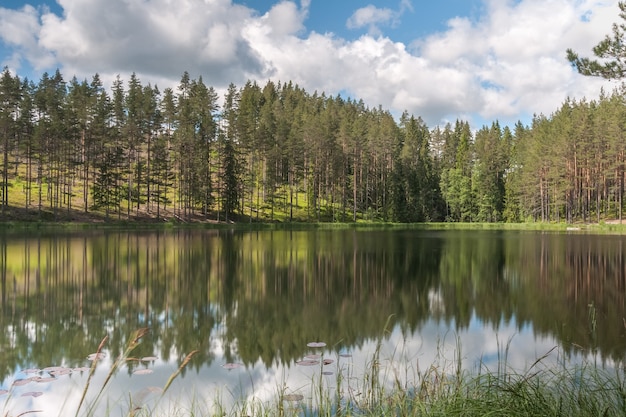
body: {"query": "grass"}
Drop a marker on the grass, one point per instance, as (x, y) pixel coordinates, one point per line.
(20, 219)
(384, 388)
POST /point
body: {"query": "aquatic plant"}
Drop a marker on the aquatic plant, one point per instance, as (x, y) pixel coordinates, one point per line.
(386, 385)
(89, 406)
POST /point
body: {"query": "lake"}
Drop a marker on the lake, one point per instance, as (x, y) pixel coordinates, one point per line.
(251, 302)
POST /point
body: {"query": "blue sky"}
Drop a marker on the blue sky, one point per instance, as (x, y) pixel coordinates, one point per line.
(418, 18)
(477, 60)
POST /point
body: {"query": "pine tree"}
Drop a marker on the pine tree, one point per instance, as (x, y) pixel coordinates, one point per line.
(489, 171)
(133, 132)
(611, 51)
(204, 108)
(9, 113)
(230, 168)
(249, 145)
(26, 124)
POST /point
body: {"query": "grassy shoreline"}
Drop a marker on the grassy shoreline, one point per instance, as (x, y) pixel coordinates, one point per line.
(19, 218)
(126, 225)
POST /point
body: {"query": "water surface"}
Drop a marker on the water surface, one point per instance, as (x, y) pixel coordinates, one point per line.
(257, 299)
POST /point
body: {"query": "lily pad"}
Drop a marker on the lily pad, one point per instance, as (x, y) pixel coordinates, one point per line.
(293, 397)
(328, 361)
(142, 397)
(143, 372)
(96, 356)
(3, 391)
(327, 373)
(60, 372)
(20, 382)
(316, 344)
(149, 358)
(232, 365)
(51, 369)
(313, 356)
(32, 394)
(308, 362)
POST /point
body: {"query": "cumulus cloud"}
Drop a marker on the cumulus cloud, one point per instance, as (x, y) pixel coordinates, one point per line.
(19, 29)
(370, 16)
(508, 62)
(160, 37)
(374, 17)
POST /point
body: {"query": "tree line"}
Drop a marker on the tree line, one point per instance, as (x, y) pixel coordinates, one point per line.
(278, 152)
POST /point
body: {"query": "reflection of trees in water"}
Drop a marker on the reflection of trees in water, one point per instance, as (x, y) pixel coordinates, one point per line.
(264, 295)
(567, 274)
(339, 287)
(547, 280)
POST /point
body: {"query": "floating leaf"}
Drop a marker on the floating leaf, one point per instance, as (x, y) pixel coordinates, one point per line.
(313, 356)
(20, 382)
(96, 356)
(308, 362)
(316, 344)
(293, 397)
(345, 354)
(327, 373)
(82, 369)
(328, 361)
(143, 372)
(232, 365)
(3, 391)
(31, 371)
(32, 394)
(60, 372)
(45, 379)
(51, 369)
(149, 358)
(146, 394)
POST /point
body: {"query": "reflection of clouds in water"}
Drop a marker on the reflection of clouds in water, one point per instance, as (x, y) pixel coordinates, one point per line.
(403, 357)
(61, 396)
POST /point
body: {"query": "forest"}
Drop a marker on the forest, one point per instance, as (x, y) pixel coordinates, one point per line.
(276, 152)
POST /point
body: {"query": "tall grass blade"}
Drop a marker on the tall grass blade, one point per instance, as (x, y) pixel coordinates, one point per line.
(178, 371)
(132, 344)
(92, 370)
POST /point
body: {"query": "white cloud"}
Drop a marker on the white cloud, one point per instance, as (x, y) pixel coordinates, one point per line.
(158, 38)
(285, 19)
(370, 16)
(507, 63)
(373, 17)
(516, 53)
(19, 29)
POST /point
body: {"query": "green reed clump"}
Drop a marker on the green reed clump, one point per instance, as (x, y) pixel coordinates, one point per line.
(583, 390)
(385, 388)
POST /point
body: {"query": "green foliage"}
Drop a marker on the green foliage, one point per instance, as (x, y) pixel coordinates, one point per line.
(277, 153)
(106, 190)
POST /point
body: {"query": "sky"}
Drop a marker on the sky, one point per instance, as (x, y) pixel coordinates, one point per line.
(474, 60)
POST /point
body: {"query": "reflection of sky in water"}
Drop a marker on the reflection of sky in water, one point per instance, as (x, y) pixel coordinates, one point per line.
(401, 356)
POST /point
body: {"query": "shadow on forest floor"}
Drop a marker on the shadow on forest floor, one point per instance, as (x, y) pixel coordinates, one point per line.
(46, 215)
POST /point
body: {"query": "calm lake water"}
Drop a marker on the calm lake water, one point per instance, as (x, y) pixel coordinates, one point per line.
(256, 299)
